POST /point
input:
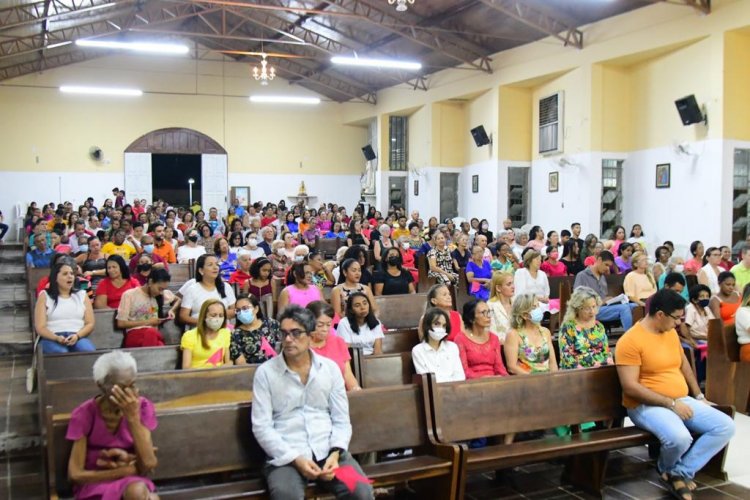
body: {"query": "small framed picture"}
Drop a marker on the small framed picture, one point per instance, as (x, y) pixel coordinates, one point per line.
(663, 175)
(554, 182)
(416, 187)
(474, 183)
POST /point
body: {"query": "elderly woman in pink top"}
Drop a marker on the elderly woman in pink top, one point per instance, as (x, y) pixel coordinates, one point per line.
(301, 291)
(326, 343)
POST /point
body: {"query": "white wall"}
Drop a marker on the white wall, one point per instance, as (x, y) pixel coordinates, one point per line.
(428, 200)
(492, 198)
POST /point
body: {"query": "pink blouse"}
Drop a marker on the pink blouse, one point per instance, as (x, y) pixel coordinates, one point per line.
(480, 360)
(335, 349)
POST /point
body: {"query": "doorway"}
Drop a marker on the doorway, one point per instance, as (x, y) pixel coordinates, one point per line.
(170, 174)
(397, 192)
(448, 196)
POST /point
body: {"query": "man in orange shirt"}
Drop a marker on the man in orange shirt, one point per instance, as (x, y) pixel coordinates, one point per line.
(162, 248)
(662, 395)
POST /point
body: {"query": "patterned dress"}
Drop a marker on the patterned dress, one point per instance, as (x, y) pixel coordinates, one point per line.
(250, 343)
(444, 261)
(535, 359)
(582, 347)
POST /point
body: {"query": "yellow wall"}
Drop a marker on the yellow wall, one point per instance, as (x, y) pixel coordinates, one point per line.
(59, 128)
(611, 104)
(737, 85)
(420, 137)
(514, 127)
(482, 110)
(449, 134)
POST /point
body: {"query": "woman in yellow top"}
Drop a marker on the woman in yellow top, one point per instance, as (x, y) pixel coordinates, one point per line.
(207, 345)
(639, 284)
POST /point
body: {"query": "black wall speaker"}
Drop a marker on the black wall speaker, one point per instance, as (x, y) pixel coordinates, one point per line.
(480, 136)
(689, 110)
(369, 153)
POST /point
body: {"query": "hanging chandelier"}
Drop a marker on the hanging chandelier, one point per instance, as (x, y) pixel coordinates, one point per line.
(401, 4)
(266, 73)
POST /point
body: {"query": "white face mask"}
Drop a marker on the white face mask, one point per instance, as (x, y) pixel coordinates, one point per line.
(214, 323)
(679, 268)
(437, 333)
(405, 246)
(252, 243)
(281, 252)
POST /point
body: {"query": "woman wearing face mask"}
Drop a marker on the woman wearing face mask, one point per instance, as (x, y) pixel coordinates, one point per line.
(93, 262)
(117, 282)
(333, 347)
(552, 266)
(351, 270)
(528, 346)
(143, 268)
(583, 339)
(254, 338)
(436, 354)
(478, 348)
(111, 433)
(207, 345)
(484, 229)
(279, 260)
(252, 248)
(301, 291)
(697, 315)
(208, 285)
(140, 313)
(360, 327)
(190, 250)
(393, 279)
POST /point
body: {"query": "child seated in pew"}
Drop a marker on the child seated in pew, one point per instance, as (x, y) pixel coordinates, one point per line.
(436, 354)
(111, 433)
(207, 345)
(360, 328)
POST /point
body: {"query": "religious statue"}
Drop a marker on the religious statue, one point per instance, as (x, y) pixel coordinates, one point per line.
(302, 190)
(367, 179)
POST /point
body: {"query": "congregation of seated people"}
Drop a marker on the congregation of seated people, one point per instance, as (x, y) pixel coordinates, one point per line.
(118, 257)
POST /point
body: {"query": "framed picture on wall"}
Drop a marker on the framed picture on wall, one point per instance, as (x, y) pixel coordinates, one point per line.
(663, 175)
(474, 183)
(416, 187)
(554, 182)
(240, 193)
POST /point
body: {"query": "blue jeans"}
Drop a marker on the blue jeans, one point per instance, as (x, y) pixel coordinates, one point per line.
(679, 455)
(51, 347)
(623, 312)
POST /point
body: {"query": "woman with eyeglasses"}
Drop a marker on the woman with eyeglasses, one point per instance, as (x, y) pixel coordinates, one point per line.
(255, 337)
(479, 348)
(333, 347)
(709, 273)
(301, 290)
(583, 339)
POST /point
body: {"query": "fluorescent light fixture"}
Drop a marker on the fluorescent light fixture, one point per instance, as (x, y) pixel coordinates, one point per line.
(284, 99)
(376, 63)
(76, 89)
(153, 48)
(55, 45)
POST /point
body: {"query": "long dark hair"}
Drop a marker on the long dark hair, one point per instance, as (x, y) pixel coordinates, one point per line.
(53, 291)
(370, 320)
(429, 318)
(218, 282)
(254, 301)
(124, 271)
(159, 276)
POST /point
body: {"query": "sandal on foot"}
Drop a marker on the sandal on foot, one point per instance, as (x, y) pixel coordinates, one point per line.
(682, 492)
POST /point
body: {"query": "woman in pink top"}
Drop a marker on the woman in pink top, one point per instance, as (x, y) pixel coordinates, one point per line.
(478, 348)
(326, 343)
(552, 266)
(692, 266)
(301, 291)
(619, 239)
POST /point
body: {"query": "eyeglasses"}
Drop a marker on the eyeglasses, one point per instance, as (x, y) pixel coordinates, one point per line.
(675, 318)
(296, 333)
(246, 308)
(484, 313)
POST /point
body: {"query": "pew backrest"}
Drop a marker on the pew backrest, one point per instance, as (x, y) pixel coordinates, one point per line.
(400, 341)
(80, 364)
(172, 389)
(730, 343)
(386, 370)
(499, 405)
(401, 311)
(614, 284)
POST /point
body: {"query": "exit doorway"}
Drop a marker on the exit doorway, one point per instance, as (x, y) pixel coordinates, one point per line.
(170, 176)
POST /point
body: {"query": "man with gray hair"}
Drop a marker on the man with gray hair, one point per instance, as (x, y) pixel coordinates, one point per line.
(300, 415)
(522, 238)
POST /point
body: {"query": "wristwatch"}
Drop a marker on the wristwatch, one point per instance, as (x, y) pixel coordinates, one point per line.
(339, 450)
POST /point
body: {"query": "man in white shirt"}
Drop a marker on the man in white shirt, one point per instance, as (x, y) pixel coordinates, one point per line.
(300, 415)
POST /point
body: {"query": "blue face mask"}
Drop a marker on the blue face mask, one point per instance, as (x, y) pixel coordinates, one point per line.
(537, 315)
(246, 317)
(148, 248)
(83, 248)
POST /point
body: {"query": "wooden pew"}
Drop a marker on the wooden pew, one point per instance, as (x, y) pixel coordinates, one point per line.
(401, 311)
(727, 379)
(106, 335)
(34, 275)
(386, 370)
(80, 364)
(425, 282)
(171, 389)
(220, 441)
(400, 341)
(329, 246)
(496, 406)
